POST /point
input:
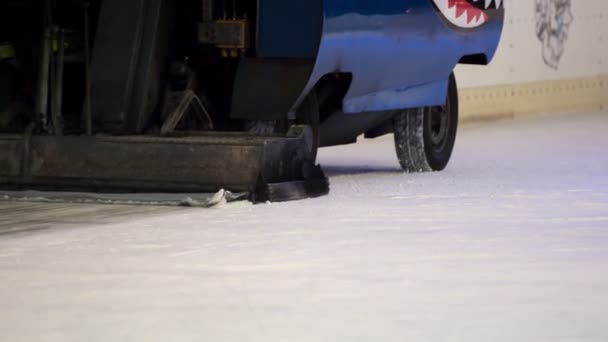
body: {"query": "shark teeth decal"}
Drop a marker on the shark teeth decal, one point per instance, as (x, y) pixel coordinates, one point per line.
(467, 13)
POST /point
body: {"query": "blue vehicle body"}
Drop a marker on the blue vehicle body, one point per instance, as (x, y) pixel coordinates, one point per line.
(400, 52)
(200, 95)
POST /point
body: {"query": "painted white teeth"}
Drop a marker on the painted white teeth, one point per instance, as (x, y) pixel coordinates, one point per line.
(465, 18)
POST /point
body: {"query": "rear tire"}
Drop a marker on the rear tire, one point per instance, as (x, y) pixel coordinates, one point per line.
(425, 137)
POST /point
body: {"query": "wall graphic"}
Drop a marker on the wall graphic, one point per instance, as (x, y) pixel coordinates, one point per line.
(553, 20)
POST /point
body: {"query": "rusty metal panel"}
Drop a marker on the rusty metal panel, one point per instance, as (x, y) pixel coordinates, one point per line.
(206, 162)
(11, 156)
(227, 34)
(139, 162)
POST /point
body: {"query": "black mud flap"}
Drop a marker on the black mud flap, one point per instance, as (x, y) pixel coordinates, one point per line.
(311, 187)
(269, 168)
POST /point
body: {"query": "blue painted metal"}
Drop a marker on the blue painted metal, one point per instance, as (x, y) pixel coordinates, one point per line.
(400, 52)
(289, 29)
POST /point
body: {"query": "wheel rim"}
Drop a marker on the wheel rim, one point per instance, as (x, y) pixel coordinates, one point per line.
(439, 126)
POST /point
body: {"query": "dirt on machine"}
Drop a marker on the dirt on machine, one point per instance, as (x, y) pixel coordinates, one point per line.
(192, 96)
(151, 96)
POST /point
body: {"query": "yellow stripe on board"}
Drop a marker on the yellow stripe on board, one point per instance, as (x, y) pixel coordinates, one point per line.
(495, 102)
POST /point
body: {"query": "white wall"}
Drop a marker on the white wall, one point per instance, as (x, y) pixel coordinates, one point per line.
(520, 56)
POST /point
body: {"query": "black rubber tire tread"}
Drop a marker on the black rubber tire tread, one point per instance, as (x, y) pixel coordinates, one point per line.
(259, 127)
(409, 140)
(412, 136)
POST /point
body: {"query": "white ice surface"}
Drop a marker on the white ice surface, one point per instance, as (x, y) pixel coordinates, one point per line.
(509, 244)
